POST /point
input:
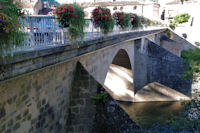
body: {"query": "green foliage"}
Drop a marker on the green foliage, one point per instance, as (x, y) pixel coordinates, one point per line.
(10, 33)
(181, 18)
(143, 20)
(101, 97)
(136, 21)
(188, 120)
(191, 61)
(103, 19)
(172, 23)
(71, 16)
(168, 34)
(122, 19)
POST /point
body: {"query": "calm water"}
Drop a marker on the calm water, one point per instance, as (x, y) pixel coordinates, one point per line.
(146, 114)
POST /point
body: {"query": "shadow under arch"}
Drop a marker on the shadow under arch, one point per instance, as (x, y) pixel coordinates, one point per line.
(122, 59)
(119, 78)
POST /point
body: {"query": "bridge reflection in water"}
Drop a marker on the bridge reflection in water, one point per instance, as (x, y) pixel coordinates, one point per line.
(146, 114)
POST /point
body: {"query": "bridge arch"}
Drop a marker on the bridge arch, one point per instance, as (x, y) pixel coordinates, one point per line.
(119, 78)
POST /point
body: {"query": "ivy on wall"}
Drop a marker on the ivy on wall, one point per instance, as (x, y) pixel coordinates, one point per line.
(191, 61)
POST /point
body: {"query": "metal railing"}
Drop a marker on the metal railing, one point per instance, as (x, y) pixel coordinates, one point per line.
(41, 31)
(45, 30)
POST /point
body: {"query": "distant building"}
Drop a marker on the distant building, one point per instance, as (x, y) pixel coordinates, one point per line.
(32, 6)
(36, 7)
(174, 7)
(148, 9)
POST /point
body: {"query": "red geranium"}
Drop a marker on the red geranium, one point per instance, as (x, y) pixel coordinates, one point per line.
(122, 19)
(103, 19)
(101, 14)
(64, 13)
(71, 16)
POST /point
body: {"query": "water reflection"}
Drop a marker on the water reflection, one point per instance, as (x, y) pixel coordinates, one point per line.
(146, 114)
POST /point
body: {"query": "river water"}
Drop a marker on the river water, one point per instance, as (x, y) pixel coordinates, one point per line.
(146, 114)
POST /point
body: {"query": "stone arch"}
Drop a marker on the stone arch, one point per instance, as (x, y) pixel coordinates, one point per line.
(122, 59)
(119, 79)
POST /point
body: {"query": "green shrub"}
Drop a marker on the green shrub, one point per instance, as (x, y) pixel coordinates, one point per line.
(188, 120)
(191, 61)
(10, 32)
(181, 18)
(101, 97)
(172, 23)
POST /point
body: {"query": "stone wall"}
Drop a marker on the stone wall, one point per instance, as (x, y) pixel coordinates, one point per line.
(82, 107)
(166, 68)
(111, 118)
(174, 43)
(140, 65)
(36, 102)
(156, 64)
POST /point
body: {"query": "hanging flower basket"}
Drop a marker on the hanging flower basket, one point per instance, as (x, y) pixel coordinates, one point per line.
(103, 19)
(72, 16)
(122, 19)
(135, 21)
(143, 21)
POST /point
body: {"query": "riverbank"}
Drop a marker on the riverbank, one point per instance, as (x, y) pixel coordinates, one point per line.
(188, 120)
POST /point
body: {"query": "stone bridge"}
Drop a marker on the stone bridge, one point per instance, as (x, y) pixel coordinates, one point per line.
(49, 90)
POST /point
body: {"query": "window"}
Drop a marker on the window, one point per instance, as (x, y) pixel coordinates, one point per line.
(115, 8)
(135, 7)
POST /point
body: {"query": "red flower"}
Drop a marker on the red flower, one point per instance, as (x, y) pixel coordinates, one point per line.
(96, 10)
(74, 15)
(96, 18)
(103, 10)
(103, 16)
(59, 16)
(134, 18)
(54, 6)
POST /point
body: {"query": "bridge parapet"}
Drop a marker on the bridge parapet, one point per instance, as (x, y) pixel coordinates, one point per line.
(33, 59)
(45, 31)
